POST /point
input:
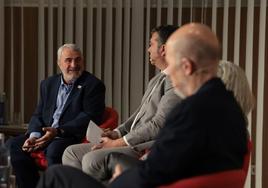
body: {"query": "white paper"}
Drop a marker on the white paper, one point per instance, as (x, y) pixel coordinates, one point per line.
(94, 133)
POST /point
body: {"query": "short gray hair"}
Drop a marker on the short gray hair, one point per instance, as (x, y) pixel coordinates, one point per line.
(235, 80)
(71, 46)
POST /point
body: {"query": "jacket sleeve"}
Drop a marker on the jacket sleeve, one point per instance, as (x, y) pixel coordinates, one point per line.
(150, 129)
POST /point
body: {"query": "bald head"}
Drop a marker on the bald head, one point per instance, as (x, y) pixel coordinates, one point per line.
(196, 42)
(192, 53)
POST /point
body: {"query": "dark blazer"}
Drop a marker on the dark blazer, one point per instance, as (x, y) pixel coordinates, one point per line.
(86, 102)
(206, 133)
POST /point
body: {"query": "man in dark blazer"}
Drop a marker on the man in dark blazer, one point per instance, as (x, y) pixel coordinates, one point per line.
(68, 101)
(204, 134)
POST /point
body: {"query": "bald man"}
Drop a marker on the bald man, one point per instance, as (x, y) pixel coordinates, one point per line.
(206, 133)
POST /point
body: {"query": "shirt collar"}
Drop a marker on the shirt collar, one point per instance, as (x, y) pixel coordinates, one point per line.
(63, 83)
(67, 87)
(164, 71)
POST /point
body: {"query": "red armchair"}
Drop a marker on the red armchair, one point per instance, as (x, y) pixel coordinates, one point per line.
(225, 179)
(110, 120)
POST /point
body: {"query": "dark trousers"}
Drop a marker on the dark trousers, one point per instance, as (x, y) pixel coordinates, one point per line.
(59, 176)
(23, 164)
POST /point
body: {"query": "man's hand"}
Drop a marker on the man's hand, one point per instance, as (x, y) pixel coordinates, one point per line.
(29, 144)
(110, 134)
(117, 172)
(50, 133)
(109, 143)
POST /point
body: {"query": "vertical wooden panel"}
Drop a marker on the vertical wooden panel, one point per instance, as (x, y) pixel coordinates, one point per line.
(98, 54)
(158, 14)
(225, 30)
(249, 48)
(147, 40)
(170, 12)
(69, 19)
(191, 10)
(2, 52)
(136, 56)
(126, 61)
(31, 60)
(60, 23)
(11, 108)
(265, 120)
(108, 68)
(41, 42)
(260, 96)
(179, 12)
(214, 16)
(22, 66)
(117, 82)
(50, 39)
(237, 31)
(158, 19)
(89, 44)
(79, 23)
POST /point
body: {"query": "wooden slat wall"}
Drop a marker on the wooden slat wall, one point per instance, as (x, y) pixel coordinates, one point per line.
(22, 95)
(2, 34)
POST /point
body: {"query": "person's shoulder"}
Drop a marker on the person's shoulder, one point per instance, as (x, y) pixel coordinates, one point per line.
(51, 79)
(168, 84)
(88, 78)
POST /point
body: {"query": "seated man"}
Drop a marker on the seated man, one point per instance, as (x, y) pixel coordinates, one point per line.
(206, 133)
(138, 131)
(234, 79)
(68, 101)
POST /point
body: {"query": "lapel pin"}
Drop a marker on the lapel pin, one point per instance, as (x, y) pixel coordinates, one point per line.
(79, 86)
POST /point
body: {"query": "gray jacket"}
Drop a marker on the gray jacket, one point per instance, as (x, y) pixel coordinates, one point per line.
(152, 114)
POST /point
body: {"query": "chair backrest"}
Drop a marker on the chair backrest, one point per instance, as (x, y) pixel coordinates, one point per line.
(109, 119)
(247, 157)
(225, 179)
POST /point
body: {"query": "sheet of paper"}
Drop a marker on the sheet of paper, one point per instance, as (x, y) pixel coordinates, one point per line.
(94, 133)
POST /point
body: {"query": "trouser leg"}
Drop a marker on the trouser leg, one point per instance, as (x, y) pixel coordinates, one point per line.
(59, 176)
(125, 161)
(23, 165)
(55, 149)
(95, 164)
(73, 155)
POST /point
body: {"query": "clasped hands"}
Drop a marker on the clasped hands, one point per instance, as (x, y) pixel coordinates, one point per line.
(32, 144)
(109, 139)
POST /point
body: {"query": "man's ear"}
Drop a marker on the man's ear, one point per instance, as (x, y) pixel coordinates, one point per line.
(187, 66)
(162, 50)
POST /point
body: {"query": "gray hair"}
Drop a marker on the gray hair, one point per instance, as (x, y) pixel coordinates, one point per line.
(235, 80)
(71, 46)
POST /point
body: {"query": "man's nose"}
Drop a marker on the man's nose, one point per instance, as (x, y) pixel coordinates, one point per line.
(149, 49)
(73, 63)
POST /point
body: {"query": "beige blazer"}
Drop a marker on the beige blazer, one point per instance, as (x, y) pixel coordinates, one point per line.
(153, 114)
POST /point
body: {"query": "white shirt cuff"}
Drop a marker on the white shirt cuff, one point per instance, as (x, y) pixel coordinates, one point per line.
(35, 134)
(124, 138)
